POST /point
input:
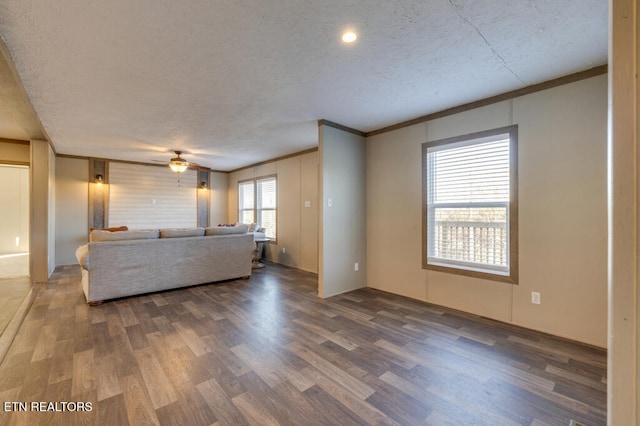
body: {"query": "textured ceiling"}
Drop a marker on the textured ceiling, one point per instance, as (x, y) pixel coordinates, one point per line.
(238, 82)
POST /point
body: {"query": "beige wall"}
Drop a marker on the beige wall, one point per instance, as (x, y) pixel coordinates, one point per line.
(297, 225)
(72, 207)
(309, 212)
(51, 217)
(342, 221)
(42, 235)
(219, 188)
(562, 218)
(623, 379)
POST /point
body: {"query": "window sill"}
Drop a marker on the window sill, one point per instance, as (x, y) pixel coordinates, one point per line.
(506, 277)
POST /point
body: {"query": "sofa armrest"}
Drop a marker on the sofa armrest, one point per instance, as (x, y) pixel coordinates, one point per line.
(82, 254)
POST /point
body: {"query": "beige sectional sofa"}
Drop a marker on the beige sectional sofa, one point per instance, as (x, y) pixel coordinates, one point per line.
(119, 264)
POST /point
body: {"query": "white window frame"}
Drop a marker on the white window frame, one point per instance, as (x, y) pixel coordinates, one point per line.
(257, 202)
(508, 273)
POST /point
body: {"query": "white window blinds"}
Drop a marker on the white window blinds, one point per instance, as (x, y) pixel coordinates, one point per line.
(257, 199)
(246, 202)
(267, 206)
(468, 204)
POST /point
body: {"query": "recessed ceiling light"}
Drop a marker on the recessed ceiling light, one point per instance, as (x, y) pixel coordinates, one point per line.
(349, 37)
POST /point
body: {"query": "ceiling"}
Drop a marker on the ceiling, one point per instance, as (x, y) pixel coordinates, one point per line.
(238, 82)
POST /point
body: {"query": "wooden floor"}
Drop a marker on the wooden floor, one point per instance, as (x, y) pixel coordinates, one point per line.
(268, 351)
(12, 293)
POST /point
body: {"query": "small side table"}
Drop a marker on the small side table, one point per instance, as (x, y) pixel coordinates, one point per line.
(257, 253)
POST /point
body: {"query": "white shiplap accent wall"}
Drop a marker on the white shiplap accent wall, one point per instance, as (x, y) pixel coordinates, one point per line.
(133, 189)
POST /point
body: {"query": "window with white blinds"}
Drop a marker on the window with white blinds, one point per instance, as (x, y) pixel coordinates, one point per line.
(266, 205)
(470, 199)
(148, 197)
(257, 200)
(247, 202)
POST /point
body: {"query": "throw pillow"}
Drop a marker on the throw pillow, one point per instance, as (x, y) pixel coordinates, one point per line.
(226, 230)
(112, 229)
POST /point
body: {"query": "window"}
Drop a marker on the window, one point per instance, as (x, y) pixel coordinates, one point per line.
(247, 202)
(257, 203)
(471, 205)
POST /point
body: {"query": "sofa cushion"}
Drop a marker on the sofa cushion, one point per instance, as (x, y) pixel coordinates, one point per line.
(82, 254)
(138, 234)
(181, 232)
(238, 228)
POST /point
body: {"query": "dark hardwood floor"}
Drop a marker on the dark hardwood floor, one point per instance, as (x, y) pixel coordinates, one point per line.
(268, 351)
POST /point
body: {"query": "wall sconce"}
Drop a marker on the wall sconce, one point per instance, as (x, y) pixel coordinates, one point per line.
(99, 179)
(203, 185)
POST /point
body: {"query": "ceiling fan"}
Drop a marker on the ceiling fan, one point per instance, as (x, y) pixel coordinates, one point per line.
(178, 164)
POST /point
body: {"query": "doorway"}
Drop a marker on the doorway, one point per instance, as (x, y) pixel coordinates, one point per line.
(14, 240)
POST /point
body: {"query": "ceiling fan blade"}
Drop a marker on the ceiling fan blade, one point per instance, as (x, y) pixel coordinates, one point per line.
(190, 164)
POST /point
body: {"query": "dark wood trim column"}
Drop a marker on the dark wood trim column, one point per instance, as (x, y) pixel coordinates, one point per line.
(98, 193)
(204, 197)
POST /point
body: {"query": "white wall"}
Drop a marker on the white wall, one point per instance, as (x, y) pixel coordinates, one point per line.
(297, 225)
(562, 213)
(14, 214)
(72, 207)
(145, 197)
(342, 213)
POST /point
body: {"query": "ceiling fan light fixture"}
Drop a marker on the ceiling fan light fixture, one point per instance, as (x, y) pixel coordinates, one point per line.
(349, 37)
(178, 164)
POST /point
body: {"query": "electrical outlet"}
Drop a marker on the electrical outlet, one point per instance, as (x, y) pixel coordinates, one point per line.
(307, 203)
(330, 202)
(535, 297)
(356, 267)
(284, 250)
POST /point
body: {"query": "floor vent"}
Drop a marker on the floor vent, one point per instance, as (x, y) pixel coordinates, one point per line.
(576, 423)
